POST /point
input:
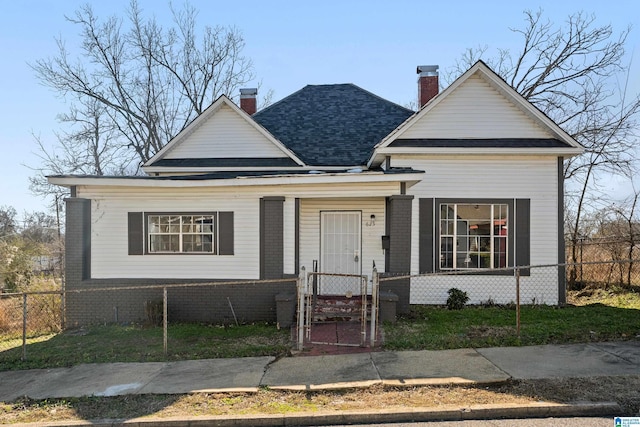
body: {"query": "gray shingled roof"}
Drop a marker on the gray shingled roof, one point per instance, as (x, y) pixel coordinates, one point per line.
(332, 125)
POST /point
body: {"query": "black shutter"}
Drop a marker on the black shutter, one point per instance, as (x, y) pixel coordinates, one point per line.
(387, 221)
(523, 235)
(86, 239)
(425, 240)
(297, 236)
(225, 233)
(136, 233)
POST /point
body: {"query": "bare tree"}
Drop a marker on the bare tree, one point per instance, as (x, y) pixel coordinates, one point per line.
(632, 223)
(24, 241)
(136, 84)
(42, 236)
(90, 147)
(570, 73)
(8, 222)
(39, 227)
(622, 226)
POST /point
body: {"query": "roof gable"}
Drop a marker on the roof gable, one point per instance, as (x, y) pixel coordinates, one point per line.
(479, 105)
(332, 125)
(475, 110)
(223, 131)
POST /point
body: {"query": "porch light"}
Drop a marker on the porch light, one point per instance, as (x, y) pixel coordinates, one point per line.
(371, 222)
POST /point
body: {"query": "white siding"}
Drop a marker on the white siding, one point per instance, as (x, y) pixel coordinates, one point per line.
(109, 242)
(539, 288)
(505, 178)
(475, 110)
(225, 134)
(110, 257)
(371, 234)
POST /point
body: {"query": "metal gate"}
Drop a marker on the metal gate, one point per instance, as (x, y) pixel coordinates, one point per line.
(336, 309)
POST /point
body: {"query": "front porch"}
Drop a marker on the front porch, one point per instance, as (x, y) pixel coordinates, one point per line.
(337, 235)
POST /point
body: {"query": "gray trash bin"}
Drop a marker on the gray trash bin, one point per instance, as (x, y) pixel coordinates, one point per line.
(388, 302)
(285, 309)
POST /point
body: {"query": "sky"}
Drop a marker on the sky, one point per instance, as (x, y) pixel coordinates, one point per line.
(374, 44)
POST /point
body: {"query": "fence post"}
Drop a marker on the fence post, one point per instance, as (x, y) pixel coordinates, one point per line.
(301, 298)
(375, 285)
(581, 259)
(63, 295)
(164, 320)
(24, 326)
(518, 300)
(63, 309)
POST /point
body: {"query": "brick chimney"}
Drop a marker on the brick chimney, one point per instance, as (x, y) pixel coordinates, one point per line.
(248, 101)
(427, 83)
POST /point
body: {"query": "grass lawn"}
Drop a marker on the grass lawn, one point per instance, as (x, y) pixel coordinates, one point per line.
(592, 315)
(113, 343)
(436, 328)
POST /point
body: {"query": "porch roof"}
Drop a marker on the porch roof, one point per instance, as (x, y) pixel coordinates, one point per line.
(245, 178)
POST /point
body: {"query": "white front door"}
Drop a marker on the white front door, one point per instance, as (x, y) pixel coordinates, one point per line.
(340, 243)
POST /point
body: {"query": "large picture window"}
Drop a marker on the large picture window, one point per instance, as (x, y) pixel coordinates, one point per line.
(181, 233)
(474, 236)
(478, 235)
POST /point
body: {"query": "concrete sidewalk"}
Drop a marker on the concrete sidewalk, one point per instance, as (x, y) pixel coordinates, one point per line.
(463, 366)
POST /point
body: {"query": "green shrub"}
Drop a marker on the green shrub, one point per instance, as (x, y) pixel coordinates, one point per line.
(457, 299)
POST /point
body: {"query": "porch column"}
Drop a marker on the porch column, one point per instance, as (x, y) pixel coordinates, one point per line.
(77, 241)
(562, 255)
(400, 207)
(399, 259)
(271, 237)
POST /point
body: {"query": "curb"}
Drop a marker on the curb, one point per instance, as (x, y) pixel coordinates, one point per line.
(534, 410)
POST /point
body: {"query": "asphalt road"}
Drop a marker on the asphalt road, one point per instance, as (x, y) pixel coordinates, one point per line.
(537, 422)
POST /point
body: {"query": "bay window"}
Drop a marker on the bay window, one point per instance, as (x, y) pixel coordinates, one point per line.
(473, 236)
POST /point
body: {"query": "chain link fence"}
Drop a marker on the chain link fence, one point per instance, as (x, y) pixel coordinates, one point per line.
(27, 316)
(162, 317)
(530, 285)
(597, 261)
(338, 284)
(514, 287)
(150, 322)
(523, 285)
(623, 273)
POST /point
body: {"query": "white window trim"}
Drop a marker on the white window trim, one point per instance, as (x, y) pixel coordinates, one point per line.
(181, 233)
(454, 237)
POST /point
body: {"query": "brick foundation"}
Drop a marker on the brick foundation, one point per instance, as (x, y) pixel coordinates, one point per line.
(251, 301)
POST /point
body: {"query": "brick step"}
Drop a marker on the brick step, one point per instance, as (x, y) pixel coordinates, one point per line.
(337, 317)
(338, 308)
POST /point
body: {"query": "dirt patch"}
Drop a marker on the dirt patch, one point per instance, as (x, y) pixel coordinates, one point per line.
(490, 331)
(604, 294)
(623, 390)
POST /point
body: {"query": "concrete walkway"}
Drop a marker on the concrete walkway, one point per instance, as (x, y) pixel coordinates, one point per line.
(463, 366)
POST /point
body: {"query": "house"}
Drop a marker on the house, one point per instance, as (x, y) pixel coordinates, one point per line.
(332, 176)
